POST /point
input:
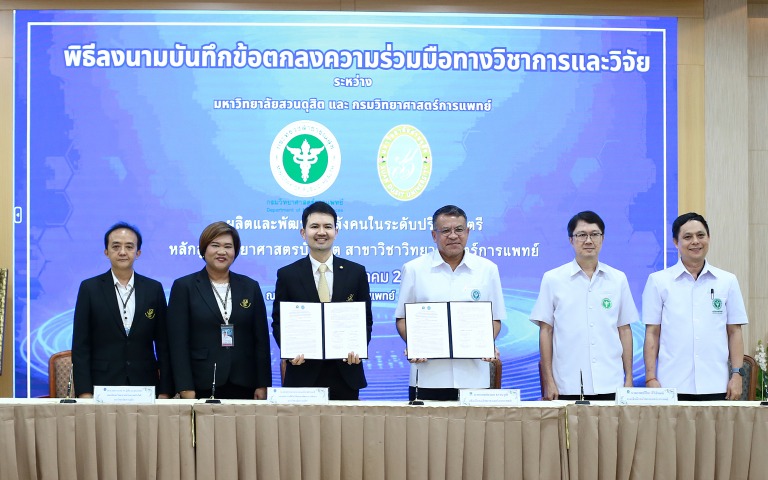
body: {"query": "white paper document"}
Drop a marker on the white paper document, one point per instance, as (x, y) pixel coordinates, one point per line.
(322, 331)
(449, 330)
(301, 330)
(426, 330)
(472, 330)
(345, 329)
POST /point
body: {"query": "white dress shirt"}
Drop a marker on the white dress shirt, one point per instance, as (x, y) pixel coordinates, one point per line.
(429, 279)
(585, 315)
(123, 293)
(693, 314)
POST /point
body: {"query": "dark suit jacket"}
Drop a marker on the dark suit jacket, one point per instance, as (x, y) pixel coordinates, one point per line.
(296, 283)
(102, 354)
(194, 329)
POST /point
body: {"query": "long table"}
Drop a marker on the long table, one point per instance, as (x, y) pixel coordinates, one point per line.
(375, 441)
(48, 440)
(720, 441)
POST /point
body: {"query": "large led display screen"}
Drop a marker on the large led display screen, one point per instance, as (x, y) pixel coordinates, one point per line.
(173, 120)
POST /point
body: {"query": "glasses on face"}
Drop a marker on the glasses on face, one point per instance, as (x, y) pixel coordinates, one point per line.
(582, 237)
(459, 231)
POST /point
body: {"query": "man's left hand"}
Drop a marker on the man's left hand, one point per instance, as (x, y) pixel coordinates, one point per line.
(352, 358)
(734, 387)
(496, 355)
(260, 393)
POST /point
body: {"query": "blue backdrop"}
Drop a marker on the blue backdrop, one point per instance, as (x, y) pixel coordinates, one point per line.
(172, 120)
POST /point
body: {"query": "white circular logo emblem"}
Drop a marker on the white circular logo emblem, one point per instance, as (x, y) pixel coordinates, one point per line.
(305, 158)
(404, 162)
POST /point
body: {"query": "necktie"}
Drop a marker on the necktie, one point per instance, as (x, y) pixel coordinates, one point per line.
(322, 286)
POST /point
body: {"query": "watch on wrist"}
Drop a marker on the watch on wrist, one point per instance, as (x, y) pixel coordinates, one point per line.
(741, 371)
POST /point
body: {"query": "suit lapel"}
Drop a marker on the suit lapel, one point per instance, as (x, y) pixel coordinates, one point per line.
(339, 280)
(110, 301)
(140, 295)
(307, 279)
(238, 296)
(206, 293)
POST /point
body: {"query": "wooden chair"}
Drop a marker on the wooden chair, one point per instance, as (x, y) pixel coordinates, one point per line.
(495, 367)
(749, 386)
(59, 368)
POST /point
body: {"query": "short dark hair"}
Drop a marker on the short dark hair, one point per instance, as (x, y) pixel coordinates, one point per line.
(127, 226)
(587, 216)
(214, 230)
(318, 207)
(685, 218)
(449, 210)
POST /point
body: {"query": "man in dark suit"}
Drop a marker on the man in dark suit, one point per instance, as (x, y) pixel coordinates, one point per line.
(302, 281)
(119, 333)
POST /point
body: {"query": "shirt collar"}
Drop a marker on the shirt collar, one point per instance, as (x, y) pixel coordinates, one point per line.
(576, 268)
(316, 264)
(679, 269)
(468, 260)
(115, 281)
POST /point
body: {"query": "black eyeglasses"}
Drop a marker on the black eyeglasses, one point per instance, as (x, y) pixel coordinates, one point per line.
(446, 232)
(582, 237)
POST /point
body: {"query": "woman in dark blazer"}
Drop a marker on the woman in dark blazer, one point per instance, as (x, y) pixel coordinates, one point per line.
(217, 318)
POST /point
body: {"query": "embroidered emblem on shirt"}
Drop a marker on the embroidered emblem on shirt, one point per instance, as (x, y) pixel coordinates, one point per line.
(351, 297)
(245, 303)
(607, 303)
(475, 294)
(717, 304)
(150, 314)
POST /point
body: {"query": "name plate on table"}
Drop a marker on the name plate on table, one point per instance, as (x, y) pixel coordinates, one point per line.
(483, 397)
(124, 394)
(646, 396)
(301, 396)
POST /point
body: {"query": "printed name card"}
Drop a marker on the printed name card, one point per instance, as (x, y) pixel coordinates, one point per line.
(124, 394)
(300, 396)
(646, 396)
(483, 397)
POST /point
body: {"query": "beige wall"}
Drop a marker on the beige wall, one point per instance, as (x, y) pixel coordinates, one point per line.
(713, 38)
(757, 151)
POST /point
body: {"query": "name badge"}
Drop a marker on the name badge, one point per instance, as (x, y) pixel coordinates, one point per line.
(309, 395)
(646, 396)
(124, 394)
(489, 397)
(227, 335)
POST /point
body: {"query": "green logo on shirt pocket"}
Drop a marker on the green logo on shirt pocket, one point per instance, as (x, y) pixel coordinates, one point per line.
(607, 303)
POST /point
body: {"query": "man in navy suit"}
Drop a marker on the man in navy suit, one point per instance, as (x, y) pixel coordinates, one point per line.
(119, 334)
(345, 281)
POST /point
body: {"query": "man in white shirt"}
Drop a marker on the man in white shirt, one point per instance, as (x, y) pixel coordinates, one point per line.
(584, 312)
(450, 273)
(693, 313)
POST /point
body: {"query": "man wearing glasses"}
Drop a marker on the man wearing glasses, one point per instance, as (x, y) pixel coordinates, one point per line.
(584, 312)
(693, 313)
(450, 273)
